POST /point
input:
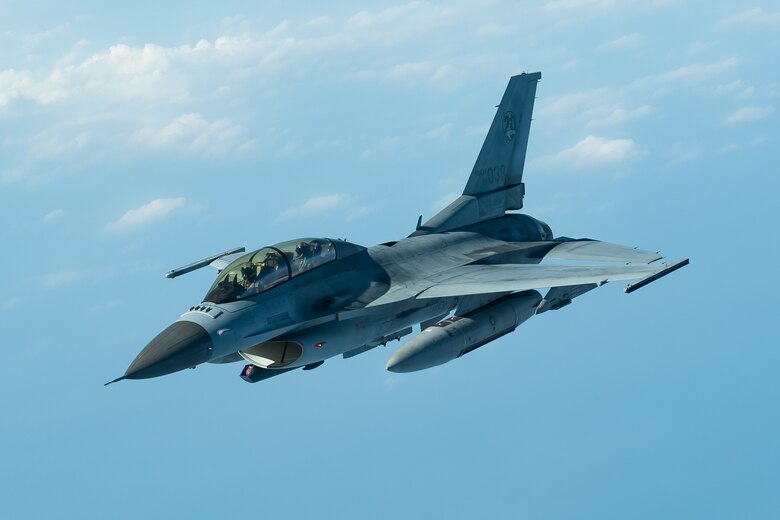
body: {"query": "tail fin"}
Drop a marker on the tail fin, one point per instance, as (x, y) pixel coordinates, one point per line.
(500, 162)
(495, 184)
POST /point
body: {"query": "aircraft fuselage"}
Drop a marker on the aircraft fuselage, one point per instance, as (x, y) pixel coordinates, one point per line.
(364, 298)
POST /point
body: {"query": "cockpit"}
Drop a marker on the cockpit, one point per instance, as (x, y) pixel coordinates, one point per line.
(268, 267)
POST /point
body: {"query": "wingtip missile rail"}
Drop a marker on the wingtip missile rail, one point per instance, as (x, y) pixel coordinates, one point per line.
(656, 275)
(173, 273)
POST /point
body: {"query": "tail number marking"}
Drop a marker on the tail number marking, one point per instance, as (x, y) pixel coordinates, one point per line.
(492, 175)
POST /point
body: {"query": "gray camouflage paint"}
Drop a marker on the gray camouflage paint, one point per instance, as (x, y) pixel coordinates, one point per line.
(472, 257)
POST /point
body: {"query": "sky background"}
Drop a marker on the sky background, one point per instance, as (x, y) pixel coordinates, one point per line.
(138, 137)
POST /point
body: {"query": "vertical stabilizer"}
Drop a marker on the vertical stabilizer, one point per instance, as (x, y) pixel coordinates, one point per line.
(501, 159)
(496, 181)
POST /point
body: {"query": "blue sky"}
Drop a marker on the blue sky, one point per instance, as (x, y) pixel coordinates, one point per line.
(140, 137)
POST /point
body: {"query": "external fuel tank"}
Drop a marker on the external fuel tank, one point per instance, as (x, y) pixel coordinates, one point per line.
(460, 335)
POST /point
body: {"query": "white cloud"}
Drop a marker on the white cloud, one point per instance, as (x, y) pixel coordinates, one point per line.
(154, 95)
(729, 88)
(146, 214)
(321, 21)
(390, 383)
(699, 47)
(327, 205)
(150, 72)
(696, 71)
(478, 131)
(13, 84)
(592, 151)
(360, 212)
(102, 98)
(11, 303)
(37, 38)
(424, 70)
(682, 152)
(63, 139)
(119, 73)
(384, 145)
(63, 278)
(440, 133)
(11, 175)
(194, 133)
(746, 92)
(557, 105)
(612, 106)
(595, 108)
(53, 215)
(322, 204)
(566, 5)
(747, 114)
(753, 18)
(443, 72)
(490, 30)
(616, 114)
(406, 70)
(398, 22)
(86, 275)
(661, 92)
(623, 42)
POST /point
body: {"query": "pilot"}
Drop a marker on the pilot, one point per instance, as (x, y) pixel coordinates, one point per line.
(271, 262)
(315, 249)
(249, 273)
(270, 270)
(302, 254)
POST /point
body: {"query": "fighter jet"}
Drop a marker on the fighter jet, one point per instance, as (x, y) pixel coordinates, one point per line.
(466, 277)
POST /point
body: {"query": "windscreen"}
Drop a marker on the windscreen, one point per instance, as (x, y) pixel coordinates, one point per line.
(256, 272)
(251, 274)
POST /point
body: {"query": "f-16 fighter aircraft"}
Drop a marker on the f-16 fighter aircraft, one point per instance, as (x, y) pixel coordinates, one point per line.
(295, 304)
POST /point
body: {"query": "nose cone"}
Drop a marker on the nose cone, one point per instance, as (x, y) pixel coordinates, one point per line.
(182, 345)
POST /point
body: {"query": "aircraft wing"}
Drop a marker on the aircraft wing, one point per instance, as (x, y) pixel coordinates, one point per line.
(597, 251)
(481, 279)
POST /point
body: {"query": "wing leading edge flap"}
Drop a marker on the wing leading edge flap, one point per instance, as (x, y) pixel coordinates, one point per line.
(480, 279)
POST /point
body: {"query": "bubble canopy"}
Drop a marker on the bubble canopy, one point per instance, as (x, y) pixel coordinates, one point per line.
(268, 267)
